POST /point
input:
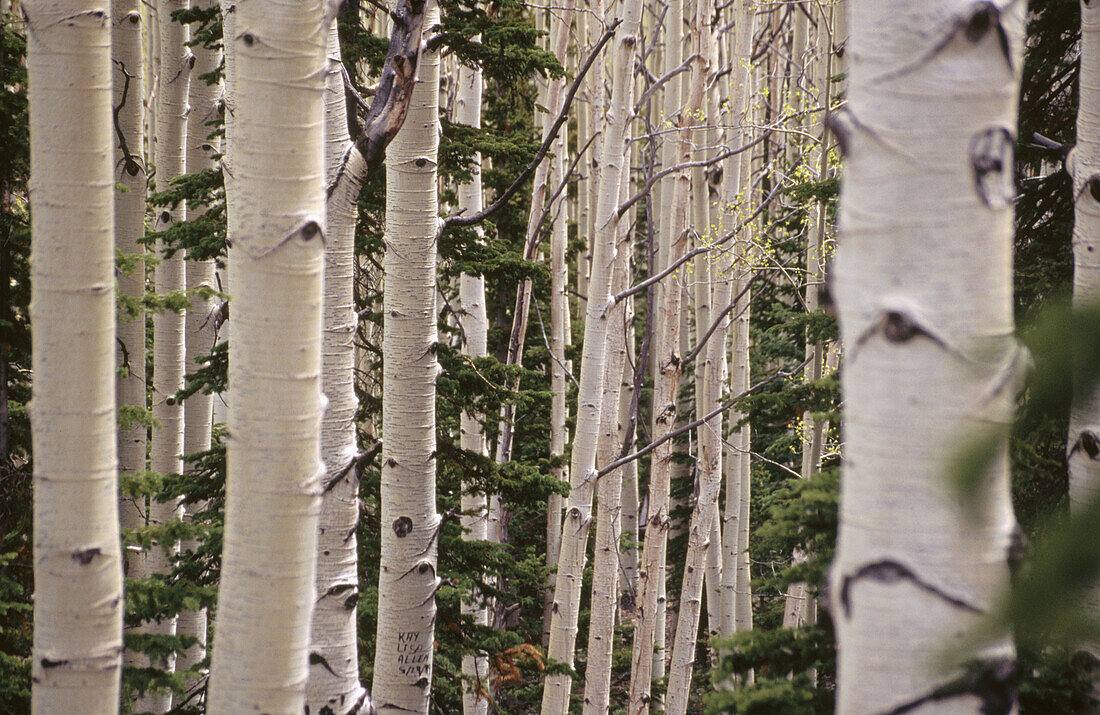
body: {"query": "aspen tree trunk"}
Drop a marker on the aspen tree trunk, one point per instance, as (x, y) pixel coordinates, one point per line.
(273, 484)
(130, 172)
(559, 411)
(920, 238)
(410, 524)
(736, 203)
(797, 607)
(1084, 165)
(475, 328)
(628, 587)
(670, 109)
(582, 470)
(169, 160)
(606, 561)
(334, 649)
(651, 570)
(77, 554)
(701, 284)
(201, 331)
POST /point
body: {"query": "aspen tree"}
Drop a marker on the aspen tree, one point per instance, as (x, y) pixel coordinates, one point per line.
(559, 339)
(735, 203)
(1084, 166)
(201, 332)
(606, 561)
(926, 227)
(410, 525)
(795, 611)
(582, 468)
(130, 177)
(651, 570)
(273, 486)
(169, 160)
(334, 654)
(475, 328)
(671, 95)
(77, 554)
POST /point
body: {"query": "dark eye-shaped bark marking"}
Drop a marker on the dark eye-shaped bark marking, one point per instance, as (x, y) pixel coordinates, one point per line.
(1088, 443)
(316, 658)
(889, 571)
(974, 24)
(991, 152)
(402, 526)
(85, 556)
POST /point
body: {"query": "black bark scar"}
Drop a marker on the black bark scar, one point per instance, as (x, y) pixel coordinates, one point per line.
(992, 681)
(889, 571)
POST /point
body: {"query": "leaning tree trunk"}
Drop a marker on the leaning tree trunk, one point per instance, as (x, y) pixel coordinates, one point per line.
(926, 219)
(334, 650)
(582, 468)
(475, 328)
(201, 328)
(273, 484)
(410, 525)
(77, 654)
(1084, 165)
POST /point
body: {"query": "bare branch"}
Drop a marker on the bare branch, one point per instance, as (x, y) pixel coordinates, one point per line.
(467, 220)
(692, 425)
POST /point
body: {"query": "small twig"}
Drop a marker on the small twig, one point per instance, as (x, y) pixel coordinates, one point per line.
(717, 321)
(350, 88)
(538, 312)
(703, 420)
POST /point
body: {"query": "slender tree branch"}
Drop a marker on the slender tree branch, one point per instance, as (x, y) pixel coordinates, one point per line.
(717, 321)
(468, 220)
(692, 425)
(565, 179)
(658, 83)
(680, 167)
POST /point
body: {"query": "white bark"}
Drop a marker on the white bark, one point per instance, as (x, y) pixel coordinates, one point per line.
(273, 449)
(606, 561)
(1084, 165)
(651, 571)
(130, 172)
(582, 469)
(475, 328)
(201, 332)
(334, 648)
(410, 524)
(919, 238)
(559, 412)
(169, 160)
(736, 202)
(77, 554)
